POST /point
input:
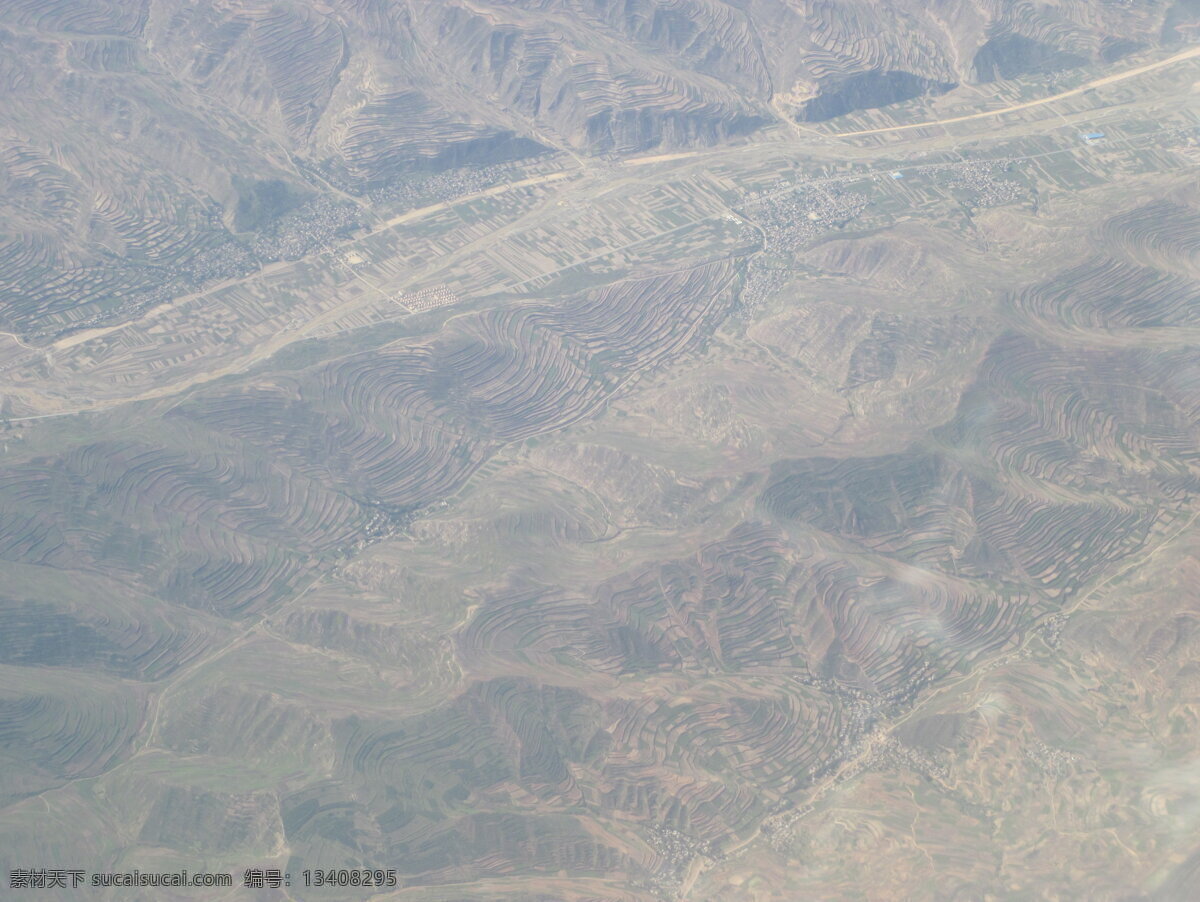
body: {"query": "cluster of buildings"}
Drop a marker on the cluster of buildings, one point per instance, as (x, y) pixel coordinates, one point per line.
(678, 851)
(427, 298)
(763, 281)
(986, 189)
(307, 229)
(788, 219)
(791, 219)
(443, 186)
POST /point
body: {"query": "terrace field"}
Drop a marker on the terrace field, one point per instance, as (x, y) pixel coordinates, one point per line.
(591, 450)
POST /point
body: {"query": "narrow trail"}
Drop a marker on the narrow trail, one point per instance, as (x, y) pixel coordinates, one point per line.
(1183, 55)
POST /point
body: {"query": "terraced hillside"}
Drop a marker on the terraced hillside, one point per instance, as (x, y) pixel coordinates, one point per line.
(571, 449)
(136, 162)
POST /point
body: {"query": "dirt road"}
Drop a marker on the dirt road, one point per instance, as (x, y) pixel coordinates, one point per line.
(1190, 53)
